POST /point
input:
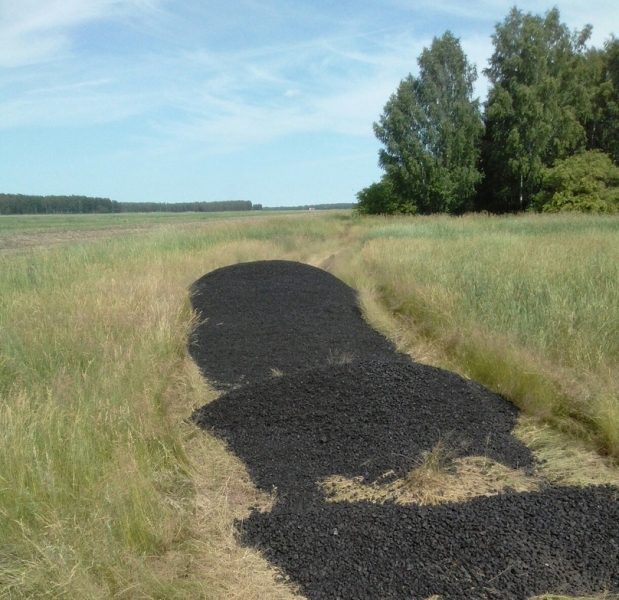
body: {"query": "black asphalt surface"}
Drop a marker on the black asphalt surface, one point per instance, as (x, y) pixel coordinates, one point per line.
(375, 413)
(277, 315)
(359, 419)
(511, 546)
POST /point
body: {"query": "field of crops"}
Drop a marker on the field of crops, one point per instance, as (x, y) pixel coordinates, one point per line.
(107, 492)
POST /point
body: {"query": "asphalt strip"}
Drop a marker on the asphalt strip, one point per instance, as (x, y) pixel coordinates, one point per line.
(312, 392)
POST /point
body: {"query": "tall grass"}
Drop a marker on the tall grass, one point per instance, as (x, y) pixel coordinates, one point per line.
(105, 491)
(527, 305)
(99, 481)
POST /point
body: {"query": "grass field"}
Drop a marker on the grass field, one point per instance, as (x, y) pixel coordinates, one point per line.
(105, 491)
(529, 306)
(29, 223)
(20, 232)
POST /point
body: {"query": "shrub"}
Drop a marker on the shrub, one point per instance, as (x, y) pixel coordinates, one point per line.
(586, 182)
(380, 199)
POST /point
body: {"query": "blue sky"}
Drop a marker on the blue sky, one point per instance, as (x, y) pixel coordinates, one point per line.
(264, 100)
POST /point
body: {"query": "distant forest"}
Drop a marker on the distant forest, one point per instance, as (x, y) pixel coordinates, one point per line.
(337, 206)
(20, 204)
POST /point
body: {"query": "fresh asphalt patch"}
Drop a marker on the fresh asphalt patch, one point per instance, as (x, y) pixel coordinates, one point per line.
(276, 317)
(315, 392)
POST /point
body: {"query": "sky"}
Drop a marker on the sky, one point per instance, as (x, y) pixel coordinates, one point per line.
(271, 101)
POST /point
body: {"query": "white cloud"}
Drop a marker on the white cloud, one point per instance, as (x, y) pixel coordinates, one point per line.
(70, 110)
(338, 86)
(602, 14)
(334, 83)
(36, 31)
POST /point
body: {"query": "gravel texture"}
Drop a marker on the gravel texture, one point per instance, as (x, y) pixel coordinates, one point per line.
(375, 413)
(511, 546)
(359, 419)
(276, 315)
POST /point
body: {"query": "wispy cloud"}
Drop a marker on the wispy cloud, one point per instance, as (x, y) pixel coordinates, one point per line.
(327, 85)
(141, 91)
(88, 107)
(36, 31)
(335, 82)
(227, 98)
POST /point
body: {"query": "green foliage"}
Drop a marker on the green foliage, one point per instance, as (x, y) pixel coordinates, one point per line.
(221, 206)
(430, 129)
(379, 199)
(586, 182)
(604, 126)
(539, 97)
(20, 204)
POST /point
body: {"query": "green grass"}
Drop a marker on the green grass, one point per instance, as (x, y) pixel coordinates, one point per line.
(554, 292)
(527, 305)
(97, 480)
(39, 223)
(105, 492)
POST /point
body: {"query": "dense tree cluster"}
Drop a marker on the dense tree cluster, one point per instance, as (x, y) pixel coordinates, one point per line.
(547, 138)
(224, 205)
(430, 129)
(20, 204)
(586, 182)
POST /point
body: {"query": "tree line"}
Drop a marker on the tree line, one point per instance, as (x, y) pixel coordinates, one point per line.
(333, 206)
(20, 204)
(546, 139)
(220, 206)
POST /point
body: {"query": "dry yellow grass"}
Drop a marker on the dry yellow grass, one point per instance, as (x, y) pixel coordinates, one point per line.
(222, 494)
(461, 480)
(524, 305)
(105, 490)
(564, 460)
(440, 477)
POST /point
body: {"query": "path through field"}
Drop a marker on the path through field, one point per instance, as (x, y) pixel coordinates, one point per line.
(312, 392)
